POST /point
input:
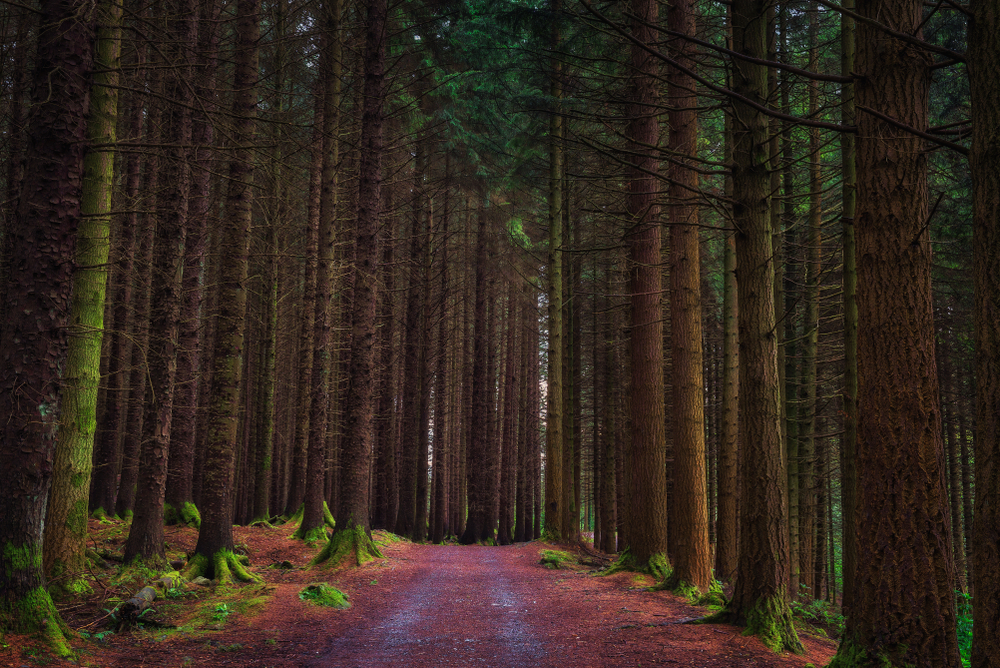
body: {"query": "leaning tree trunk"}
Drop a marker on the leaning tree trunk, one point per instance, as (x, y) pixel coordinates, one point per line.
(903, 611)
(37, 275)
(214, 552)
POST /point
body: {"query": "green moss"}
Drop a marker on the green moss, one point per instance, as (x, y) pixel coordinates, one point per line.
(190, 515)
(223, 566)
(713, 598)
(553, 558)
(851, 654)
(328, 516)
(297, 515)
(386, 538)
(312, 535)
(345, 543)
(100, 514)
(34, 613)
(63, 586)
(323, 594)
(21, 559)
(186, 515)
(76, 520)
(769, 619)
(658, 566)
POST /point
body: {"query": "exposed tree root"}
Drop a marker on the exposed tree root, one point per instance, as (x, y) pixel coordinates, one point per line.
(316, 533)
(35, 613)
(852, 655)
(657, 565)
(769, 619)
(354, 545)
(711, 597)
(186, 515)
(223, 566)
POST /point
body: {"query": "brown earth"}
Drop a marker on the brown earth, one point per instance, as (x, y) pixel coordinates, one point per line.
(422, 605)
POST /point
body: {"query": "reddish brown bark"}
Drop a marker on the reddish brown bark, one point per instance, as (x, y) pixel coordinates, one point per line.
(146, 538)
(353, 511)
(984, 51)
(646, 459)
(904, 605)
(36, 284)
(692, 558)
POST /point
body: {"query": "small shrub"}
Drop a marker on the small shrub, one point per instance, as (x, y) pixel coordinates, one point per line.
(221, 612)
(820, 613)
(964, 602)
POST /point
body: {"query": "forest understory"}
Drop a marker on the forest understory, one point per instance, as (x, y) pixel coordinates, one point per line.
(421, 605)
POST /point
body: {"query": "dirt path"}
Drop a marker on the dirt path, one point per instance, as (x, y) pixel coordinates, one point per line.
(497, 606)
(420, 606)
(462, 608)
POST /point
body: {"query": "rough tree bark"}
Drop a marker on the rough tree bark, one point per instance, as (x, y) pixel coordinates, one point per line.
(353, 531)
(66, 521)
(903, 612)
(984, 61)
(646, 460)
(146, 536)
(759, 599)
(214, 556)
(37, 275)
(692, 557)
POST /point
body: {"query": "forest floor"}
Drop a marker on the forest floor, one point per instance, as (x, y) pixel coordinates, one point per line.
(421, 605)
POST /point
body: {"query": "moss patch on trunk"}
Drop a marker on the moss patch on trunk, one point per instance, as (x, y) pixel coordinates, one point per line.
(35, 613)
(769, 619)
(223, 566)
(348, 545)
(658, 566)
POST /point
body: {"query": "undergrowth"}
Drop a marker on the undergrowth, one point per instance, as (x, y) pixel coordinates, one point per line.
(820, 615)
(964, 605)
(323, 594)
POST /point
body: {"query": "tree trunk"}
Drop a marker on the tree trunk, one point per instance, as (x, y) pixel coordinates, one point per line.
(108, 441)
(759, 598)
(849, 401)
(646, 459)
(180, 507)
(692, 558)
(213, 552)
(37, 275)
(312, 523)
(476, 526)
(554, 269)
(65, 523)
(903, 610)
(146, 538)
(353, 522)
(984, 61)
